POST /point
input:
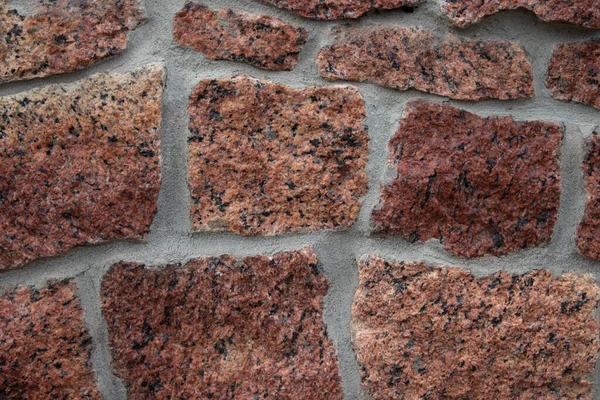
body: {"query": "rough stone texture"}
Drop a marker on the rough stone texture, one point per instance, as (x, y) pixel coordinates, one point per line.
(79, 164)
(403, 59)
(44, 347)
(230, 328)
(340, 9)
(293, 159)
(480, 185)
(440, 333)
(227, 34)
(588, 233)
(573, 73)
(581, 12)
(63, 36)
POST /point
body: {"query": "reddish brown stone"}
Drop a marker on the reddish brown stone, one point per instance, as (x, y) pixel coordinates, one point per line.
(45, 349)
(222, 327)
(480, 185)
(573, 73)
(581, 12)
(588, 233)
(340, 9)
(266, 159)
(441, 333)
(79, 164)
(227, 34)
(403, 59)
(63, 36)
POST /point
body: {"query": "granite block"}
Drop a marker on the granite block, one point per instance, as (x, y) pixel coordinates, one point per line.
(588, 232)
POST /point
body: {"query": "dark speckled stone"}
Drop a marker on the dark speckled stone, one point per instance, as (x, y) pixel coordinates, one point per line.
(63, 36)
(227, 34)
(480, 185)
(222, 328)
(45, 349)
(79, 164)
(588, 234)
(423, 332)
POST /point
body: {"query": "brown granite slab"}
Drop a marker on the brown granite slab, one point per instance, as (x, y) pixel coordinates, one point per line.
(403, 58)
(79, 164)
(423, 332)
(265, 159)
(45, 349)
(63, 36)
(226, 327)
(580, 12)
(480, 185)
(227, 34)
(340, 9)
(588, 233)
(573, 73)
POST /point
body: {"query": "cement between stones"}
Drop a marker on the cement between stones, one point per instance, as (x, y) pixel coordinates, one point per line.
(170, 240)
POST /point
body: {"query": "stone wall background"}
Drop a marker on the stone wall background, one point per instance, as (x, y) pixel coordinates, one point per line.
(170, 240)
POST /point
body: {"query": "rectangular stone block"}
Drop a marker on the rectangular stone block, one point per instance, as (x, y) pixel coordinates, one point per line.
(79, 164)
(588, 233)
(432, 332)
(265, 159)
(226, 327)
(479, 185)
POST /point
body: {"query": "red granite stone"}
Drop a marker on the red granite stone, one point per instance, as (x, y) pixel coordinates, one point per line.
(403, 59)
(63, 36)
(339, 9)
(228, 34)
(480, 185)
(79, 164)
(573, 73)
(45, 348)
(423, 332)
(588, 233)
(247, 328)
(267, 159)
(580, 12)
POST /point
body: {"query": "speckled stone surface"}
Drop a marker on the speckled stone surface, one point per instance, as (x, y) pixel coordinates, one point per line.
(45, 348)
(425, 332)
(63, 36)
(573, 74)
(265, 159)
(227, 34)
(79, 164)
(580, 12)
(480, 185)
(340, 9)
(221, 328)
(588, 233)
(403, 58)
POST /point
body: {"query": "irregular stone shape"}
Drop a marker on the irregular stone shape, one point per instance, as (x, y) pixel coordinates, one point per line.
(79, 164)
(580, 12)
(45, 349)
(266, 159)
(403, 59)
(63, 36)
(227, 34)
(441, 333)
(480, 185)
(246, 328)
(588, 233)
(340, 9)
(573, 73)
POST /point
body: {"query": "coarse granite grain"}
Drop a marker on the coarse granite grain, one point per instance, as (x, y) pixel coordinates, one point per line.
(79, 164)
(433, 332)
(340, 9)
(588, 233)
(265, 159)
(45, 348)
(63, 36)
(573, 73)
(408, 58)
(227, 34)
(480, 185)
(585, 13)
(225, 327)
